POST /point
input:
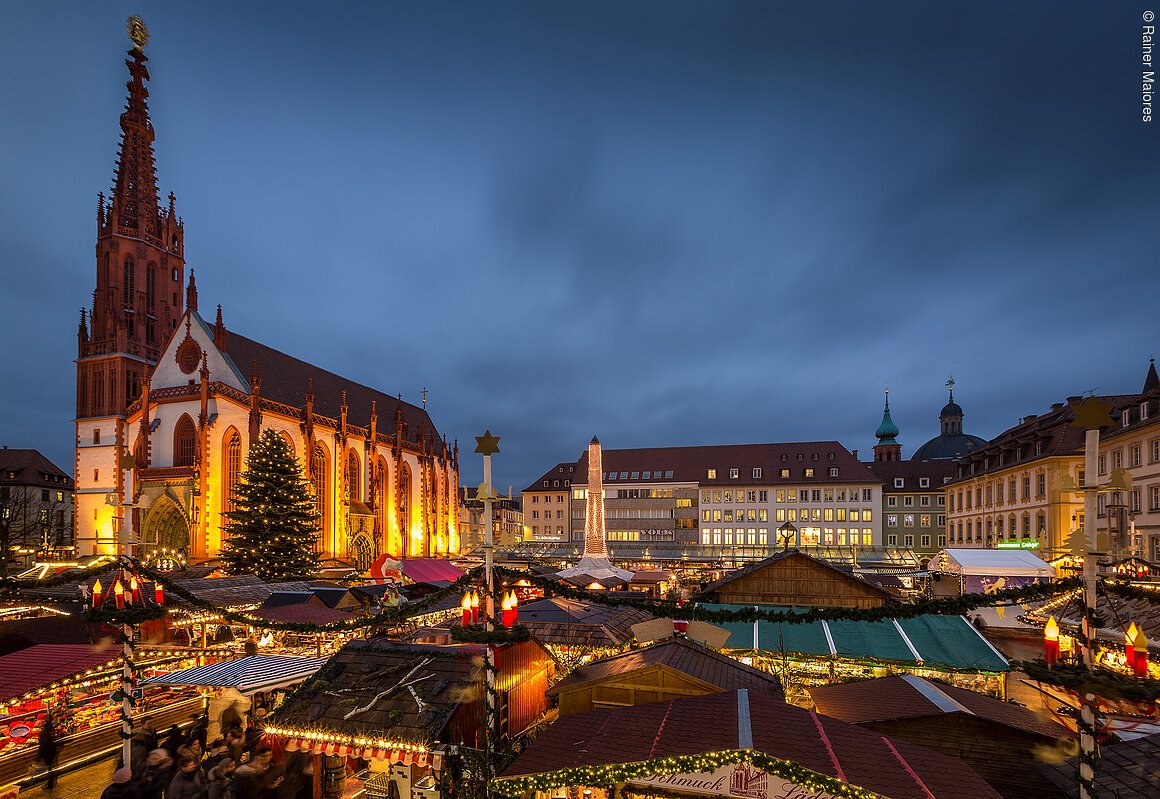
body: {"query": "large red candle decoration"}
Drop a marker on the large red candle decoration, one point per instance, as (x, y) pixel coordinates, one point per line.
(97, 589)
(475, 607)
(1051, 641)
(134, 590)
(515, 609)
(506, 607)
(119, 595)
(465, 606)
(1130, 646)
(1140, 660)
(158, 593)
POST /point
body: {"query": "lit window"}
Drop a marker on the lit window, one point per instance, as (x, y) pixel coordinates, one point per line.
(809, 472)
(712, 474)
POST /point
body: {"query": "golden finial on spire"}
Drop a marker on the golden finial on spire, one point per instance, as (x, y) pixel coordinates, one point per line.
(138, 33)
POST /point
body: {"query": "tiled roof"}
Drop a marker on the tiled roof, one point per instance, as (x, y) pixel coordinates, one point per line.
(364, 668)
(692, 464)
(909, 696)
(244, 589)
(22, 633)
(561, 472)
(682, 655)
(910, 472)
(713, 723)
(306, 613)
(790, 553)
(574, 623)
(30, 466)
(1055, 432)
(1129, 770)
(284, 380)
(31, 668)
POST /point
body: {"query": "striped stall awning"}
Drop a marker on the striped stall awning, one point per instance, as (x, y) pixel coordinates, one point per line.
(402, 756)
(248, 674)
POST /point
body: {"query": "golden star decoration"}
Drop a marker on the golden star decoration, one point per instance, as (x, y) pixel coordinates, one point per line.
(1093, 413)
(487, 444)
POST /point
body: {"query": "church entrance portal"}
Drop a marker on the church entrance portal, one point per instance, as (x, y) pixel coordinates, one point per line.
(165, 527)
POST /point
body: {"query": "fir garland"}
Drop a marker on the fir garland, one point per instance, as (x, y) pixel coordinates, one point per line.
(617, 773)
(130, 614)
(1099, 682)
(479, 634)
(13, 585)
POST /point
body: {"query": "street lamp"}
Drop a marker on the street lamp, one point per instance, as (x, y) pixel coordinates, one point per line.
(787, 533)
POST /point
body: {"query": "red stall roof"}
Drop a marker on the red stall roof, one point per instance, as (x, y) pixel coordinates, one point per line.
(28, 669)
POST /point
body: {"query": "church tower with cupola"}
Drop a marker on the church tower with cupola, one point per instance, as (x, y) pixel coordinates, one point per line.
(887, 449)
(135, 307)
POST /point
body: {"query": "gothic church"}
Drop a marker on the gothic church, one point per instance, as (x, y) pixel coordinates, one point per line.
(168, 403)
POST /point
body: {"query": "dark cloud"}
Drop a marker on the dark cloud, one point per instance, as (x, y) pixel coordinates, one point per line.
(665, 224)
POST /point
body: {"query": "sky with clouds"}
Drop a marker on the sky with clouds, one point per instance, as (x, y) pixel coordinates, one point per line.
(663, 223)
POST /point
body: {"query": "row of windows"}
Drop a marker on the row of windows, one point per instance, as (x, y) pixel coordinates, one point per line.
(806, 537)
(993, 493)
(1014, 526)
(1135, 456)
(741, 515)
(718, 497)
(548, 498)
(654, 475)
(548, 514)
(923, 482)
(823, 514)
(908, 540)
(908, 501)
(908, 520)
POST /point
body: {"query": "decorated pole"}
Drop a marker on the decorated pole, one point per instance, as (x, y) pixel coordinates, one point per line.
(488, 445)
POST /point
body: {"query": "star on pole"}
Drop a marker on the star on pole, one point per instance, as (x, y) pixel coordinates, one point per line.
(1093, 413)
(487, 444)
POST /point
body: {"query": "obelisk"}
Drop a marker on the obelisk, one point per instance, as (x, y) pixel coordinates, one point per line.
(594, 563)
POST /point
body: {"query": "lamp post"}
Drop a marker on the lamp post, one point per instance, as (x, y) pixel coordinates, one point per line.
(786, 533)
(487, 445)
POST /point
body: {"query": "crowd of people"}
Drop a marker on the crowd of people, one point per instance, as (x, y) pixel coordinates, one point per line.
(183, 766)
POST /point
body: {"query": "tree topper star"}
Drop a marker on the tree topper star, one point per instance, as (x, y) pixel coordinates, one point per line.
(1093, 413)
(487, 444)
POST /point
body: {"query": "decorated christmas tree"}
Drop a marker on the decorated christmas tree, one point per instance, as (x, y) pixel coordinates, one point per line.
(273, 527)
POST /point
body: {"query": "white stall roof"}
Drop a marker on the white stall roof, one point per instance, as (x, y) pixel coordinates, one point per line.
(991, 563)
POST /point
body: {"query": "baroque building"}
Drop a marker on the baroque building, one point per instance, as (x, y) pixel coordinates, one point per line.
(168, 404)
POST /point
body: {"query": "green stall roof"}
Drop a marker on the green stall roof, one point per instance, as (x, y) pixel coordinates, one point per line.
(949, 642)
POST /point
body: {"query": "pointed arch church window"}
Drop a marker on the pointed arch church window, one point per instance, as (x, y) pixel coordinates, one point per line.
(233, 470)
(128, 283)
(352, 476)
(318, 481)
(184, 442)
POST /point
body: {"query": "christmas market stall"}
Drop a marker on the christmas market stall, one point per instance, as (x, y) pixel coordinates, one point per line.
(389, 715)
(739, 743)
(1128, 770)
(1002, 741)
(669, 669)
(576, 632)
(793, 578)
(76, 685)
(948, 648)
(256, 682)
(954, 572)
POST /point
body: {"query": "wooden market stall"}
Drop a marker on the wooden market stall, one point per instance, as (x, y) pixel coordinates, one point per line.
(576, 632)
(1001, 741)
(73, 683)
(793, 578)
(669, 669)
(386, 713)
(735, 743)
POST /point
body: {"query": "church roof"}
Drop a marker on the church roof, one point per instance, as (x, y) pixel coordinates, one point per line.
(284, 380)
(949, 445)
(1151, 380)
(888, 429)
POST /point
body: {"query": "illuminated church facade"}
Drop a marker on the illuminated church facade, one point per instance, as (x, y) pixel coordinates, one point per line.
(168, 404)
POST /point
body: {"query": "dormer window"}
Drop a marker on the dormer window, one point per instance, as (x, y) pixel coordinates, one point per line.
(829, 456)
(712, 474)
(833, 471)
(1038, 447)
(924, 482)
(801, 457)
(756, 472)
(899, 482)
(1126, 417)
(1143, 411)
(815, 456)
(784, 457)
(784, 474)
(734, 473)
(809, 472)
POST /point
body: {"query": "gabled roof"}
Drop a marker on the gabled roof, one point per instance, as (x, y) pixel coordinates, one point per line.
(284, 380)
(559, 473)
(742, 719)
(911, 471)
(789, 554)
(991, 563)
(362, 669)
(282, 598)
(30, 467)
(680, 654)
(573, 623)
(21, 634)
(330, 596)
(1128, 770)
(31, 668)
(908, 696)
(305, 613)
(243, 589)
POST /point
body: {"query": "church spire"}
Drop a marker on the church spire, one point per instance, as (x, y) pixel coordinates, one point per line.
(1151, 380)
(887, 448)
(134, 200)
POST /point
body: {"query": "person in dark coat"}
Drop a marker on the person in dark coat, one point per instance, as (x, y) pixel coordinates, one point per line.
(187, 782)
(255, 779)
(200, 730)
(173, 741)
(157, 775)
(47, 749)
(123, 786)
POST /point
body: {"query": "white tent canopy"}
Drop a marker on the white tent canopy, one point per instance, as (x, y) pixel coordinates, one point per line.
(991, 563)
(247, 675)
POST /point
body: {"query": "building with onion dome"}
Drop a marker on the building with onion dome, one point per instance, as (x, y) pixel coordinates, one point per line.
(951, 442)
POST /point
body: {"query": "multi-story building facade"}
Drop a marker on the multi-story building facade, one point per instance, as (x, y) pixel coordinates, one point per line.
(913, 501)
(1012, 492)
(36, 505)
(507, 520)
(718, 501)
(546, 504)
(1131, 517)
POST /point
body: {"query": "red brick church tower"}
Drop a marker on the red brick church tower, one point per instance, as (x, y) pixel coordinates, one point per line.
(137, 302)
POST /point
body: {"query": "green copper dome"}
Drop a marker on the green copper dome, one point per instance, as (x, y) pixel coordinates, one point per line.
(888, 429)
